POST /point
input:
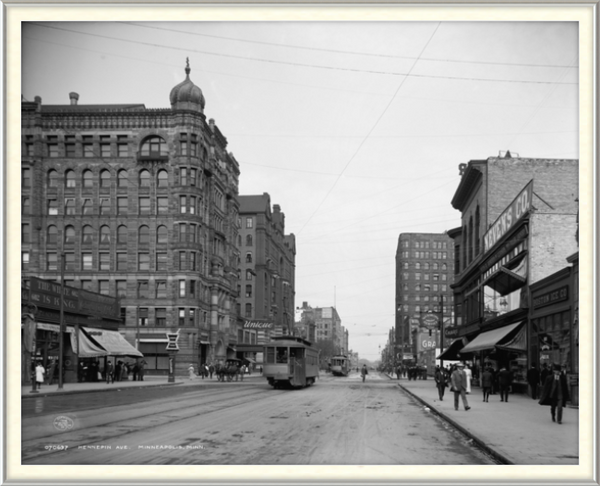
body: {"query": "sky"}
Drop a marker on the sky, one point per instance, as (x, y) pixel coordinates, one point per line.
(356, 129)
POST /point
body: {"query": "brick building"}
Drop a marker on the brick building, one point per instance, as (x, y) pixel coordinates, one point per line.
(267, 271)
(424, 273)
(519, 219)
(142, 203)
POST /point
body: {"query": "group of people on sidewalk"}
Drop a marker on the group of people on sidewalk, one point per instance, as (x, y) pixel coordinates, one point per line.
(555, 390)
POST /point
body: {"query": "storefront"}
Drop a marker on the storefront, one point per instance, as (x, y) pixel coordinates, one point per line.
(554, 333)
(90, 324)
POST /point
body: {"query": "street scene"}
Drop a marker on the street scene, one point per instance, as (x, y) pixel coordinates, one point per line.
(301, 244)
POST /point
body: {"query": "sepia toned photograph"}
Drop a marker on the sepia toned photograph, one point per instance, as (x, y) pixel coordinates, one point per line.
(298, 243)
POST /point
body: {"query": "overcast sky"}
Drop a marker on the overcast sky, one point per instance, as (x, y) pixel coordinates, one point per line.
(356, 129)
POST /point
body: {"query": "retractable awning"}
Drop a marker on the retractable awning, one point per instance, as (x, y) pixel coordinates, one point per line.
(489, 339)
(452, 353)
(250, 360)
(517, 343)
(505, 280)
(100, 342)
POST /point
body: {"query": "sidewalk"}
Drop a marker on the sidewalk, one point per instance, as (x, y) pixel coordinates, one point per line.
(102, 386)
(519, 431)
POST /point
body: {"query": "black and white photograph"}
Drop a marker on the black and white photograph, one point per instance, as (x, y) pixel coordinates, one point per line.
(310, 242)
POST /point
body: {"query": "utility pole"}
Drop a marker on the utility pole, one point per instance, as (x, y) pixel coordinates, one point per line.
(441, 328)
(61, 332)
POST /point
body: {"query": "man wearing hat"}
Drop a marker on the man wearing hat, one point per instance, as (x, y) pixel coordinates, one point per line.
(459, 385)
(555, 393)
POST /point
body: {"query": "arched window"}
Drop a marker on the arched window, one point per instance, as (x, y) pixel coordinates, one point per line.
(248, 257)
(52, 178)
(144, 178)
(144, 235)
(122, 234)
(88, 178)
(69, 234)
(87, 234)
(70, 179)
(105, 178)
(51, 235)
(122, 178)
(162, 178)
(162, 235)
(104, 234)
(154, 146)
(248, 240)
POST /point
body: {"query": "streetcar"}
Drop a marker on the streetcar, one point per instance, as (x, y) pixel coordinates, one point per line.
(290, 362)
(340, 365)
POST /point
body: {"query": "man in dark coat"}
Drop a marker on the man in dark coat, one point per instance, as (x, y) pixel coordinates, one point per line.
(533, 378)
(555, 393)
(441, 381)
(504, 382)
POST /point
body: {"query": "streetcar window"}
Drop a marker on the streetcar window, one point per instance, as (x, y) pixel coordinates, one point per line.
(270, 355)
(297, 352)
(282, 355)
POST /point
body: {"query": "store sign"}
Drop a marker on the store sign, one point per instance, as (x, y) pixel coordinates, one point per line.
(48, 294)
(451, 332)
(548, 298)
(426, 342)
(430, 321)
(258, 324)
(509, 218)
(173, 338)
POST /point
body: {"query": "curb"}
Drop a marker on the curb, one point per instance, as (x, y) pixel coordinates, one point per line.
(495, 454)
(99, 390)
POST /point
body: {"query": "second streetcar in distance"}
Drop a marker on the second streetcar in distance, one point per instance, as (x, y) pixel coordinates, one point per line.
(290, 361)
(340, 365)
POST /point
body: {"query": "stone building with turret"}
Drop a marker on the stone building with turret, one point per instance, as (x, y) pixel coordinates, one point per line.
(139, 204)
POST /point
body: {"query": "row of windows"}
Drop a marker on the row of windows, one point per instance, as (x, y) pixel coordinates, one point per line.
(187, 205)
(425, 276)
(102, 261)
(185, 233)
(424, 266)
(406, 309)
(436, 255)
(157, 316)
(425, 298)
(87, 179)
(426, 287)
(436, 245)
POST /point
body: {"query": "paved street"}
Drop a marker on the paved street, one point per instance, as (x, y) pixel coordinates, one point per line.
(337, 421)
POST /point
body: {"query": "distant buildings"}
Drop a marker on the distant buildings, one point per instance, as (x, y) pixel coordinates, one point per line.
(424, 274)
(325, 325)
(267, 271)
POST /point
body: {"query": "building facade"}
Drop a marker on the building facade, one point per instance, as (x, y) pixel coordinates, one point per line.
(140, 204)
(519, 219)
(424, 297)
(267, 271)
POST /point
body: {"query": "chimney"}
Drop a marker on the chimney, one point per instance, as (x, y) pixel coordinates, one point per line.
(73, 97)
(276, 208)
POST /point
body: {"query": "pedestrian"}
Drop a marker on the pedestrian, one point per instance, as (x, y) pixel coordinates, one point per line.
(533, 378)
(458, 380)
(39, 374)
(487, 379)
(211, 370)
(504, 383)
(117, 372)
(191, 373)
(364, 372)
(142, 369)
(136, 370)
(544, 373)
(469, 378)
(555, 392)
(110, 377)
(440, 381)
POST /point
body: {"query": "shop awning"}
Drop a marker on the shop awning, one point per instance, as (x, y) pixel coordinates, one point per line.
(452, 353)
(100, 342)
(505, 281)
(489, 339)
(250, 360)
(518, 343)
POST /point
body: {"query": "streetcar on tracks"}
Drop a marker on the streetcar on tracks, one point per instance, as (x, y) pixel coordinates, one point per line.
(340, 365)
(290, 362)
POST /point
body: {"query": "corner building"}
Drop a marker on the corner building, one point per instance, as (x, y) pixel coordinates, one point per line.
(142, 204)
(519, 223)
